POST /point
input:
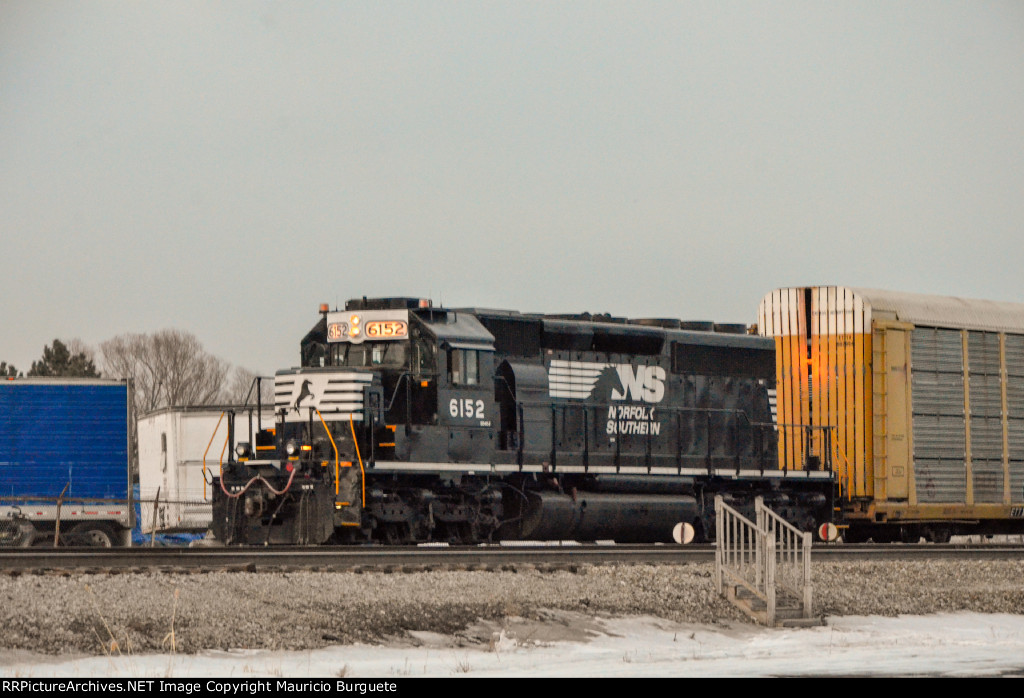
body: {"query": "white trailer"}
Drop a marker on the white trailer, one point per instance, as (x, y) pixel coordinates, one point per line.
(180, 451)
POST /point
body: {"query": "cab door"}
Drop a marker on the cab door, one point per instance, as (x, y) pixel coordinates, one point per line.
(466, 403)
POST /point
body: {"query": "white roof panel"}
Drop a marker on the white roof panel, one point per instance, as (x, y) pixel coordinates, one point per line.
(915, 308)
(946, 311)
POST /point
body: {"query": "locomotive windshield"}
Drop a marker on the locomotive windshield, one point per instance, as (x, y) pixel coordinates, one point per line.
(370, 354)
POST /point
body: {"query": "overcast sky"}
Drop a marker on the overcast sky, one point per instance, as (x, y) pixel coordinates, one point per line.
(225, 167)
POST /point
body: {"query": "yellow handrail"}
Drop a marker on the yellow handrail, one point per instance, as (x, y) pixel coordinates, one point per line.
(208, 450)
(334, 446)
(362, 472)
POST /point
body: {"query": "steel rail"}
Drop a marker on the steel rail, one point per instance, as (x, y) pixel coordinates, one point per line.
(256, 559)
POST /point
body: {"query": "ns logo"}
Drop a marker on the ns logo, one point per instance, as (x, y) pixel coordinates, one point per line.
(643, 383)
(586, 379)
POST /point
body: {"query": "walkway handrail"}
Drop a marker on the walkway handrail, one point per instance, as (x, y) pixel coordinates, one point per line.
(591, 413)
(212, 437)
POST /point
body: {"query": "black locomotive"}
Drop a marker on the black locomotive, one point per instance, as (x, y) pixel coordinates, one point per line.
(412, 423)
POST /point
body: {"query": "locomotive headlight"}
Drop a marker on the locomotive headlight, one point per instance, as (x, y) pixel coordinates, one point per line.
(243, 450)
(292, 447)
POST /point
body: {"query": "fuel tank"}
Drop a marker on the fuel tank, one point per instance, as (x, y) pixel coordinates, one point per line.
(588, 516)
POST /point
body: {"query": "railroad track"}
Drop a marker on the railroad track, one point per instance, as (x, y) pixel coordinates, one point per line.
(439, 557)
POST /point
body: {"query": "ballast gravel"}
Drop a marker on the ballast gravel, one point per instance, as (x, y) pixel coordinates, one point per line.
(151, 611)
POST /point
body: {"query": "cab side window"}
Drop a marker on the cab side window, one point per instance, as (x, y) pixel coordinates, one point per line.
(423, 361)
(463, 367)
(314, 354)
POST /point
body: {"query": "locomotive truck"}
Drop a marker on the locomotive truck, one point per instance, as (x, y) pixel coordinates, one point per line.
(406, 422)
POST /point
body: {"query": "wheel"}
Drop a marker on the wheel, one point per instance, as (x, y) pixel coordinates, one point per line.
(885, 534)
(910, 534)
(92, 535)
(396, 533)
(855, 535)
(17, 534)
(938, 534)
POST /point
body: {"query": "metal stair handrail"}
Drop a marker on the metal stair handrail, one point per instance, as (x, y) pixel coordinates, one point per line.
(792, 554)
(745, 554)
(762, 557)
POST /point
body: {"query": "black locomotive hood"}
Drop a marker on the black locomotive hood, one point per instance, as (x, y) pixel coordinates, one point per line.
(458, 330)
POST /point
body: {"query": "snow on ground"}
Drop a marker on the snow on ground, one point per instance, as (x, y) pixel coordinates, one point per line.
(958, 644)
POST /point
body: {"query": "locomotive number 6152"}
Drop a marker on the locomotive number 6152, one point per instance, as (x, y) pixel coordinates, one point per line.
(466, 407)
(387, 328)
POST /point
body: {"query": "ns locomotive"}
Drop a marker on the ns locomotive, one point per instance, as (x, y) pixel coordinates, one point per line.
(407, 423)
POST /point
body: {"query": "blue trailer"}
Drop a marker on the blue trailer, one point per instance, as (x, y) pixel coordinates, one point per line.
(65, 462)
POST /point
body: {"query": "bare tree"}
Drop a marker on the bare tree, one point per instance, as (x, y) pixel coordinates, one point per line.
(169, 367)
(241, 389)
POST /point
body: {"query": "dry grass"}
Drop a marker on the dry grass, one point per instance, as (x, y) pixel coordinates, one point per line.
(112, 646)
(109, 648)
(169, 638)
